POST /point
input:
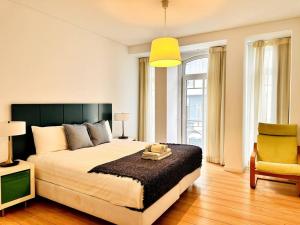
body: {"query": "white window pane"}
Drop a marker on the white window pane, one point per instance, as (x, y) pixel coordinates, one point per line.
(197, 66)
(198, 83)
(194, 91)
(190, 84)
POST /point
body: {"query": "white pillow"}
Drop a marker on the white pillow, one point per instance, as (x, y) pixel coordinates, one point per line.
(108, 129)
(49, 139)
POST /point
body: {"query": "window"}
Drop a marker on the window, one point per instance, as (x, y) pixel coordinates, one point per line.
(197, 66)
(267, 76)
(194, 101)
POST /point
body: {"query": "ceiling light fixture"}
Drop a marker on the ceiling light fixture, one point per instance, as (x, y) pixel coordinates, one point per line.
(165, 50)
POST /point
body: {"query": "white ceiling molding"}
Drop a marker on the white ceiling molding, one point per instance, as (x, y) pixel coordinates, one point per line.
(133, 22)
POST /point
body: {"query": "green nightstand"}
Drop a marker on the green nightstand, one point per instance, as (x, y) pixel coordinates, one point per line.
(16, 184)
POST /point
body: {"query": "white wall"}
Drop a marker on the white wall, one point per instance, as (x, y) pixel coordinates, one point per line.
(234, 79)
(166, 105)
(160, 104)
(46, 60)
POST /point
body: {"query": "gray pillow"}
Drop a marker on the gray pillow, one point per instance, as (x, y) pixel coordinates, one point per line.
(77, 136)
(99, 132)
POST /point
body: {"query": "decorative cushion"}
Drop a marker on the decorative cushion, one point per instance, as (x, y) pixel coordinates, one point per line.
(278, 168)
(277, 129)
(277, 149)
(99, 132)
(77, 136)
(49, 139)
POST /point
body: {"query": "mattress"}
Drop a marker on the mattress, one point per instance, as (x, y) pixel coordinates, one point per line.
(69, 169)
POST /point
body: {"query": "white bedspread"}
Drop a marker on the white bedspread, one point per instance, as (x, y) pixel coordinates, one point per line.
(69, 169)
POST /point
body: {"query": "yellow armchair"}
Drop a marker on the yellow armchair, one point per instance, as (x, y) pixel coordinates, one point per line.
(276, 153)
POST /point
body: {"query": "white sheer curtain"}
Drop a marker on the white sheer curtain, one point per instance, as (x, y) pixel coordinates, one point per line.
(266, 94)
(268, 85)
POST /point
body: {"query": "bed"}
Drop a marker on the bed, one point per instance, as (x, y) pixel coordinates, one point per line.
(64, 176)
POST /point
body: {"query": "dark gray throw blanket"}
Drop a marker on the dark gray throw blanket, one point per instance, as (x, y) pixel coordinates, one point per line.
(157, 177)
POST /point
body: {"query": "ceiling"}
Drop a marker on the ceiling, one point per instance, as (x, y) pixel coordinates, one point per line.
(132, 22)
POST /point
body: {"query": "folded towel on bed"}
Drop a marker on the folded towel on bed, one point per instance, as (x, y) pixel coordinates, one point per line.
(159, 148)
(156, 156)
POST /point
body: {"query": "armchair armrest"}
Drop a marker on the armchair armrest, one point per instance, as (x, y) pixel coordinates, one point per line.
(255, 147)
(253, 158)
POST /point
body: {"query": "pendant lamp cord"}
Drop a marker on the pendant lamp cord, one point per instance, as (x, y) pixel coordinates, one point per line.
(165, 4)
(165, 25)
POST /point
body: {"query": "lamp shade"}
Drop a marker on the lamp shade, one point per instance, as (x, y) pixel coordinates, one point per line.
(121, 116)
(165, 52)
(12, 128)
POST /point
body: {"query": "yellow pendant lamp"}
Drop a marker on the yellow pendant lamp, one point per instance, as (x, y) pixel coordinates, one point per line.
(165, 50)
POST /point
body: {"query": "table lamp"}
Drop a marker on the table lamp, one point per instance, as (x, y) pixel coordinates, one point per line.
(8, 129)
(122, 117)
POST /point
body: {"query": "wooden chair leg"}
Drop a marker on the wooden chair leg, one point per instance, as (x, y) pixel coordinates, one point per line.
(253, 179)
(298, 185)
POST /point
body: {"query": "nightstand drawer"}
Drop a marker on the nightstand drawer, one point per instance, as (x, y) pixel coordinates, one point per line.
(15, 185)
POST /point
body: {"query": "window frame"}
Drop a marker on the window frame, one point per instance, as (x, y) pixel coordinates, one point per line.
(184, 78)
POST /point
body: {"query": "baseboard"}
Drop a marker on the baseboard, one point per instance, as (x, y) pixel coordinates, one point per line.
(234, 170)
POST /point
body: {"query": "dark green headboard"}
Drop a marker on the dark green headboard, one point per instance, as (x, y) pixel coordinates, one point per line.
(52, 115)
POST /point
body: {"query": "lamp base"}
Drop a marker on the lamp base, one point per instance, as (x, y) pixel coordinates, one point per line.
(9, 164)
(123, 137)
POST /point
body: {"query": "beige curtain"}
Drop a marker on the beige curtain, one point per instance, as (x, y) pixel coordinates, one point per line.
(216, 104)
(283, 82)
(143, 90)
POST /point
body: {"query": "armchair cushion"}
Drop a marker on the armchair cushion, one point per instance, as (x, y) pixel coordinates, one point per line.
(277, 149)
(278, 168)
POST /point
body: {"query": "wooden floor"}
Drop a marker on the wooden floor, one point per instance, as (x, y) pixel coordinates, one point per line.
(216, 198)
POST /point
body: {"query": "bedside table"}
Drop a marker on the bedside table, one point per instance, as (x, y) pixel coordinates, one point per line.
(16, 184)
(127, 139)
(131, 139)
